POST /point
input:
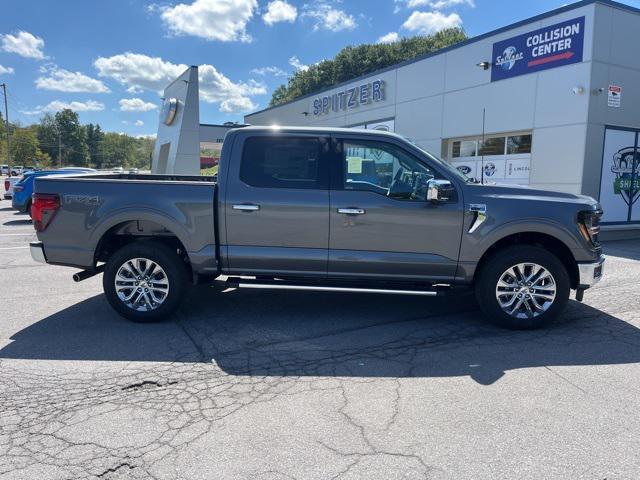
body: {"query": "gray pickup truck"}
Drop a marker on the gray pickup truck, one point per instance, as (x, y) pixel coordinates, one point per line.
(321, 209)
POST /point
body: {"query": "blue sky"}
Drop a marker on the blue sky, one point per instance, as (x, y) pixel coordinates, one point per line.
(109, 59)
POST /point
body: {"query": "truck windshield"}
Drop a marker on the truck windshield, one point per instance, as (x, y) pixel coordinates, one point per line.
(445, 165)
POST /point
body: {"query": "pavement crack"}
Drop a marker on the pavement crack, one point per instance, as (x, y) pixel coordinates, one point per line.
(147, 384)
(115, 469)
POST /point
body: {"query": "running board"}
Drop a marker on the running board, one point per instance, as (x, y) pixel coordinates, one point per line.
(319, 288)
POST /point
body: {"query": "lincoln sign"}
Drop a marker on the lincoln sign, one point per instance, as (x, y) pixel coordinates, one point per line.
(549, 47)
(350, 98)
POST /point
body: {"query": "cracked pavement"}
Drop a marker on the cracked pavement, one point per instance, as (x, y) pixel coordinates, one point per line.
(293, 385)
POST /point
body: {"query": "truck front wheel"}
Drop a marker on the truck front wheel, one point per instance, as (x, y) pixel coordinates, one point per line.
(144, 281)
(522, 287)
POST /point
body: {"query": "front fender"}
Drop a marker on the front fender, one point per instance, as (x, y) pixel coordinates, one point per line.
(474, 246)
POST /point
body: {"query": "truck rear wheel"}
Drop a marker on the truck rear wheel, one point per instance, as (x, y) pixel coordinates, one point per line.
(522, 287)
(144, 281)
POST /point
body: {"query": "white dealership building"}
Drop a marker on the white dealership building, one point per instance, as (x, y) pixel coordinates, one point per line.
(559, 94)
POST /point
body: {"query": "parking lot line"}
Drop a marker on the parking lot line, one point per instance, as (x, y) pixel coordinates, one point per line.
(14, 248)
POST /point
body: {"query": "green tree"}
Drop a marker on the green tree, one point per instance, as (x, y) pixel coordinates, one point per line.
(352, 62)
(74, 144)
(95, 138)
(144, 153)
(43, 160)
(24, 146)
(118, 150)
(48, 138)
(81, 145)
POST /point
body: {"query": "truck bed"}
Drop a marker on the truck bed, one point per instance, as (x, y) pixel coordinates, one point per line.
(95, 206)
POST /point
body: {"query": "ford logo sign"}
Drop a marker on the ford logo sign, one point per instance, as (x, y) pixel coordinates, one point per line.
(169, 110)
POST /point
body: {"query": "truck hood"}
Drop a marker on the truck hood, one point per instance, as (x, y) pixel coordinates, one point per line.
(515, 193)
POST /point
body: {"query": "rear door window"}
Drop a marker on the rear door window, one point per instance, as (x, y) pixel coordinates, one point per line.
(282, 162)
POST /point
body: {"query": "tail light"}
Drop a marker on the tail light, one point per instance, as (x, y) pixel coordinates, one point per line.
(589, 223)
(43, 208)
(6, 185)
(18, 188)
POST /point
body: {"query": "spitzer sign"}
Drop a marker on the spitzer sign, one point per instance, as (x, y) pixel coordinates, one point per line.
(549, 47)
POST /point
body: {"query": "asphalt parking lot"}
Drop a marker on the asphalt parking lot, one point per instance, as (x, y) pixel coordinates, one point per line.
(291, 385)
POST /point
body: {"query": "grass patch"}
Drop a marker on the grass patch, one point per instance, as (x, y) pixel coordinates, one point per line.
(209, 172)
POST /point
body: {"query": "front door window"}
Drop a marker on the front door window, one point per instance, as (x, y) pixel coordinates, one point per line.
(386, 170)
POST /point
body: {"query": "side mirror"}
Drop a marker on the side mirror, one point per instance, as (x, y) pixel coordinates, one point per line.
(438, 190)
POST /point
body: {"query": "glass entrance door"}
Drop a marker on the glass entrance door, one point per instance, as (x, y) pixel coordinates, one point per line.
(620, 182)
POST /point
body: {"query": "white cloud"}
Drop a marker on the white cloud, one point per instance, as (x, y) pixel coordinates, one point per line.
(136, 105)
(139, 123)
(135, 89)
(6, 70)
(223, 20)
(235, 105)
(388, 38)
(64, 81)
(57, 105)
(329, 18)
(139, 72)
(297, 64)
(436, 4)
(275, 71)
(24, 44)
(153, 73)
(425, 23)
(215, 87)
(280, 11)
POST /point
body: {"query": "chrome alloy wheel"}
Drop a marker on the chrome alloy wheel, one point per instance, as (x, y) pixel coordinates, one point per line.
(141, 284)
(526, 290)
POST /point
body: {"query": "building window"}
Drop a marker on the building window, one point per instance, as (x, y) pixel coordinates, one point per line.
(518, 144)
(381, 125)
(492, 146)
(464, 148)
(502, 158)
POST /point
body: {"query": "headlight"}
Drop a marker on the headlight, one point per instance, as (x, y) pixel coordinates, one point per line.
(589, 224)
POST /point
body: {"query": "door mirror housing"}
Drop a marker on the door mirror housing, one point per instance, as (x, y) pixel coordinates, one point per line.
(439, 190)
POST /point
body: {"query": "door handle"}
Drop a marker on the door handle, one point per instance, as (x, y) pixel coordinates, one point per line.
(352, 211)
(246, 208)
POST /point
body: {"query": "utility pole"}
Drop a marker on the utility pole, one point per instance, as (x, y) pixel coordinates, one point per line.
(6, 119)
(59, 147)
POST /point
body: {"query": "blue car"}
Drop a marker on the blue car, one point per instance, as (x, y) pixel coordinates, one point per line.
(23, 190)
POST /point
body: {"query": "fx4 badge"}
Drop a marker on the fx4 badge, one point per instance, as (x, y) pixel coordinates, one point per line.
(89, 200)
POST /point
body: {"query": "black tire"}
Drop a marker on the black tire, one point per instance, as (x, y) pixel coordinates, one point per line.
(165, 258)
(499, 262)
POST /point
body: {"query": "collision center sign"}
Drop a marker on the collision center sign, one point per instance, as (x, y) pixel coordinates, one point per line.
(549, 47)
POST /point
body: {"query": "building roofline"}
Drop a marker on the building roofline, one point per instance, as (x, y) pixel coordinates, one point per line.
(469, 41)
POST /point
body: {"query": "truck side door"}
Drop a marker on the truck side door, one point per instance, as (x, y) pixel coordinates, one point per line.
(277, 206)
(382, 226)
